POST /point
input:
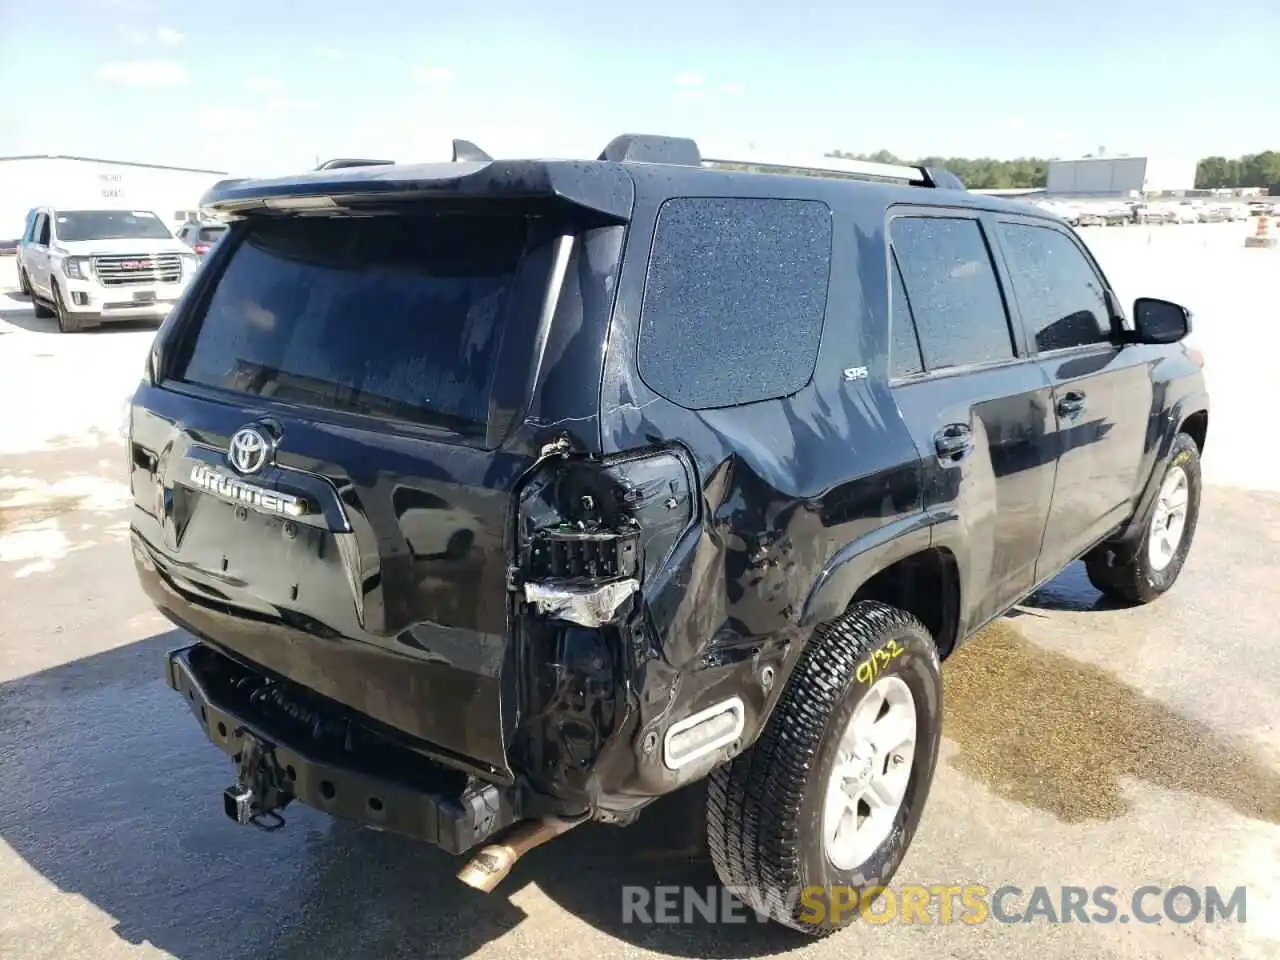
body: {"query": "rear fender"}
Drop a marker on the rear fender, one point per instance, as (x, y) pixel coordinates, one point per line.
(858, 561)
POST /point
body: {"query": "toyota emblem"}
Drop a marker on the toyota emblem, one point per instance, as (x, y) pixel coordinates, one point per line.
(248, 450)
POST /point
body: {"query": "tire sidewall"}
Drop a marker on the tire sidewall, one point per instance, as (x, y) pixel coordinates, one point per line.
(1184, 455)
(59, 308)
(916, 665)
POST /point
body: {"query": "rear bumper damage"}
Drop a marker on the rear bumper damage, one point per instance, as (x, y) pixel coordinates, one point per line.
(285, 749)
(604, 708)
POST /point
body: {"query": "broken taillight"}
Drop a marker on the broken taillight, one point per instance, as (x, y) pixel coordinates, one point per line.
(585, 524)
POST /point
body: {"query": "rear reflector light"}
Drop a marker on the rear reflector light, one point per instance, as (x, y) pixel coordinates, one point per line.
(705, 731)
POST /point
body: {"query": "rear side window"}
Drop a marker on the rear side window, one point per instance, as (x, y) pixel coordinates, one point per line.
(1059, 293)
(397, 316)
(734, 299)
(951, 284)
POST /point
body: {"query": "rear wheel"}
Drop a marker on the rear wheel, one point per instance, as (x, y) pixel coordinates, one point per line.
(1155, 565)
(823, 807)
(24, 287)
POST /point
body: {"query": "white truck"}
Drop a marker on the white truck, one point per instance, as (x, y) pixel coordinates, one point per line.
(92, 266)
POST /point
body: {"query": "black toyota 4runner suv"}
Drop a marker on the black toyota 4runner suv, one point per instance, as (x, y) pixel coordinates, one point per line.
(501, 496)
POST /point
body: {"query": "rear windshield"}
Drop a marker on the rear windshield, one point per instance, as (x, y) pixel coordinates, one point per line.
(76, 225)
(209, 234)
(394, 316)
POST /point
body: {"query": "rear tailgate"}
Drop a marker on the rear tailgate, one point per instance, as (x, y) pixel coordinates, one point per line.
(356, 538)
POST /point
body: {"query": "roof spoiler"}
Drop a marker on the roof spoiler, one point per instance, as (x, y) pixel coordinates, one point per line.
(683, 151)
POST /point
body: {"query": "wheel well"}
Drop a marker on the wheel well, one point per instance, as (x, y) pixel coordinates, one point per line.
(926, 584)
(1196, 427)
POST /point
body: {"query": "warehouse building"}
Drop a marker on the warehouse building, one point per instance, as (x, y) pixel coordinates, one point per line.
(172, 193)
(1118, 177)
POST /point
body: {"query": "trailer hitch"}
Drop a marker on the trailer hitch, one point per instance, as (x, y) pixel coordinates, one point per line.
(260, 790)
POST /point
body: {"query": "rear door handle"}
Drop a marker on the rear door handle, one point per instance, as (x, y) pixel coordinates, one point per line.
(953, 441)
(1071, 405)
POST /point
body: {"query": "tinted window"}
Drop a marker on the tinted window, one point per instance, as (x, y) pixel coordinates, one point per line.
(210, 234)
(904, 352)
(1058, 291)
(42, 229)
(734, 299)
(73, 225)
(395, 316)
(955, 298)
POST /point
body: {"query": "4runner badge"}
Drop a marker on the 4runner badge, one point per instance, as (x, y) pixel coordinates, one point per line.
(235, 490)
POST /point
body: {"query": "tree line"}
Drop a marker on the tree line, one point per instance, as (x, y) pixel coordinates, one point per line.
(986, 173)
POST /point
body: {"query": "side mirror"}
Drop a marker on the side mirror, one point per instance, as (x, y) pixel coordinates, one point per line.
(1159, 321)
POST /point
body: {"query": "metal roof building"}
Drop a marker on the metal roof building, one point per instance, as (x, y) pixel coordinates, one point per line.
(1118, 177)
(172, 193)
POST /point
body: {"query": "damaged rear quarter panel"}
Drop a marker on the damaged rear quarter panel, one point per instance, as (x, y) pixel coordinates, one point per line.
(784, 485)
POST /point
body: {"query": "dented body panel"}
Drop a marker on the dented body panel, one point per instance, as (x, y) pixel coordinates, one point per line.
(542, 606)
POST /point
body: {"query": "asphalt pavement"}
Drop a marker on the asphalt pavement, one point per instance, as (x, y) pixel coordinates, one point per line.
(1085, 745)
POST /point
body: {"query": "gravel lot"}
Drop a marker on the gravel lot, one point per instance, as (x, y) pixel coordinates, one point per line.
(1085, 745)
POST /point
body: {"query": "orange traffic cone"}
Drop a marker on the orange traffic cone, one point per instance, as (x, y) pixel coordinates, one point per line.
(1262, 238)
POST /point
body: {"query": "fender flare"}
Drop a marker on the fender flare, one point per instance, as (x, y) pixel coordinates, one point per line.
(1186, 407)
(861, 559)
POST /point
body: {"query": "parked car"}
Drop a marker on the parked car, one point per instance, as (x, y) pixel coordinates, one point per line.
(1159, 213)
(708, 470)
(92, 266)
(9, 248)
(1116, 214)
(201, 236)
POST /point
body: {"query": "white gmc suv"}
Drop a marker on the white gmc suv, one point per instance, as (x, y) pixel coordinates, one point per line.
(88, 267)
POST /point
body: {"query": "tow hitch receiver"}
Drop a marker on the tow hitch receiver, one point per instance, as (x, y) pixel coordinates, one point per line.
(258, 792)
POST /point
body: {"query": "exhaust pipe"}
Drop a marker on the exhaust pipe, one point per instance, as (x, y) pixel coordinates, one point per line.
(490, 866)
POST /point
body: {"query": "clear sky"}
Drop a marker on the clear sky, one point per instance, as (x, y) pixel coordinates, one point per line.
(266, 87)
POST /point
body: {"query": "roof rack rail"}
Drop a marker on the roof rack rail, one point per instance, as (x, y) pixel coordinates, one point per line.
(915, 176)
(648, 148)
(465, 150)
(685, 152)
(339, 163)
